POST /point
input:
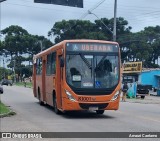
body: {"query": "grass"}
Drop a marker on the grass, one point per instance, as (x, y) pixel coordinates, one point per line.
(28, 84)
(3, 109)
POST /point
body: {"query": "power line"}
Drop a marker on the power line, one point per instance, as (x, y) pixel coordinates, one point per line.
(148, 13)
(84, 15)
(153, 14)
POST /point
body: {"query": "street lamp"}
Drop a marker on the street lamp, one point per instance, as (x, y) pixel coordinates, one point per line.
(14, 71)
(114, 26)
(89, 12)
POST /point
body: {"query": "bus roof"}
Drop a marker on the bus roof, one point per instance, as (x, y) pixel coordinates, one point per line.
(73, 40)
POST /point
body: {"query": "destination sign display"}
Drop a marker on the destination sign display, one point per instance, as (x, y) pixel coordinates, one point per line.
(91, 47)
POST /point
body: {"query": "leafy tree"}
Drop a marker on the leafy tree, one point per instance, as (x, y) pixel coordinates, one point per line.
(75, 29)
(14, 42)
(4, 73)
(122, 27)
(83, 29)
(142, 45)
(17, 43)
(156, 50)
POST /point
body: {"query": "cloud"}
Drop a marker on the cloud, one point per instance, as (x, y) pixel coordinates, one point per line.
(39, 18)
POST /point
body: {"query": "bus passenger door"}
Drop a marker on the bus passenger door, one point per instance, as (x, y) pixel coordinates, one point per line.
(59, 73)
(34, 80)
(43, 80)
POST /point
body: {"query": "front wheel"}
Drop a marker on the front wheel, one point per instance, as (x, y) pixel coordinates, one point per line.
(100, 112)
(55, 106)
(142, 97)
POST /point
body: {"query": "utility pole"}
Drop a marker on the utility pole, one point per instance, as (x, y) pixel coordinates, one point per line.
(4, 74)
(115, 21)
(14, 71)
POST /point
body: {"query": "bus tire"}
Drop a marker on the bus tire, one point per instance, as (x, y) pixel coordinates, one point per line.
(99, 112)
(39, 97)
(142, 97)
(55, 105)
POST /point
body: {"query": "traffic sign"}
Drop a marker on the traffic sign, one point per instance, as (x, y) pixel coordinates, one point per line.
(73, 3)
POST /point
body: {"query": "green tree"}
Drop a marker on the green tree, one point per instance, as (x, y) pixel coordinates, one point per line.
(83, 29)
(14, 41)
(143, 45)
(76, 29)
(156, 50)
(19, 43)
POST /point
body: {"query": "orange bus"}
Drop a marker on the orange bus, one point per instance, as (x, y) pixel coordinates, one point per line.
(78, 75)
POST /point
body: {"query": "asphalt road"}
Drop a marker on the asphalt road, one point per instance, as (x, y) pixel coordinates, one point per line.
(31, 117)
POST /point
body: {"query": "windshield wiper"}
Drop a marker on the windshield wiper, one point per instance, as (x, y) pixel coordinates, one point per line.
(86, 61)
(100, 62)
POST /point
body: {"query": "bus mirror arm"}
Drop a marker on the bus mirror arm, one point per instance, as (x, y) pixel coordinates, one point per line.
(61, 62)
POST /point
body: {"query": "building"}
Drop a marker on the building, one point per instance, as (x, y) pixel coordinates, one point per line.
(133, 72)
(150, 77)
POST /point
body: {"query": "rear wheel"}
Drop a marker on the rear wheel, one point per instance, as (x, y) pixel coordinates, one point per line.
(100, 112)
(39, 98)
(55, 105)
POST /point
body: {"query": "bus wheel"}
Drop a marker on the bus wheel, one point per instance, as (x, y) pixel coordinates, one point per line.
(55, 105)
(100, 112)
(39, 98)
(142, 97)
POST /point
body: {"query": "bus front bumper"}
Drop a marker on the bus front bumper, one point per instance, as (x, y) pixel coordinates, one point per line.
(69, 105)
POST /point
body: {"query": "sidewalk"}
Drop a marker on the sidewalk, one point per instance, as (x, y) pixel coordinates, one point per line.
(147, 100)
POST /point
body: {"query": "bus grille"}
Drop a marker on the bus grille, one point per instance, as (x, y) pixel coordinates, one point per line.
(86, 106)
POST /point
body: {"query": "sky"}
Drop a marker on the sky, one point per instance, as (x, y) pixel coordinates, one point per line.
(38, 19)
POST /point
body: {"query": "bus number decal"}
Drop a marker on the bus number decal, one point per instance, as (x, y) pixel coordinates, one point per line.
(86, 99)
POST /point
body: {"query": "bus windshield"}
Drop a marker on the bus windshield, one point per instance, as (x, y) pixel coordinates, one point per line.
(90, 69)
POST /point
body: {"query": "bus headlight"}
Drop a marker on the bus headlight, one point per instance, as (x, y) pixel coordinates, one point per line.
(115, 96)
(69, 95)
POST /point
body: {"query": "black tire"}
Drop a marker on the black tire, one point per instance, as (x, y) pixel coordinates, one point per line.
(99, 112)
(39, 98)
(55, 105)
(142, 97)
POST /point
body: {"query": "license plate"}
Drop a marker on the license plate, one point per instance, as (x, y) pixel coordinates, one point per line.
(93, 108)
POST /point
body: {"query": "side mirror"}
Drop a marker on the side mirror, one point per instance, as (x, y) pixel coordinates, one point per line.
(61, 62)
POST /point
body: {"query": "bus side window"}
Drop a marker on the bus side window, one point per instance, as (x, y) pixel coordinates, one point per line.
(48, 64)
(51, 63)
(39, 66)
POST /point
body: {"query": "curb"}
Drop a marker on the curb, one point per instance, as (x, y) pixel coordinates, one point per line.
(143, 101)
